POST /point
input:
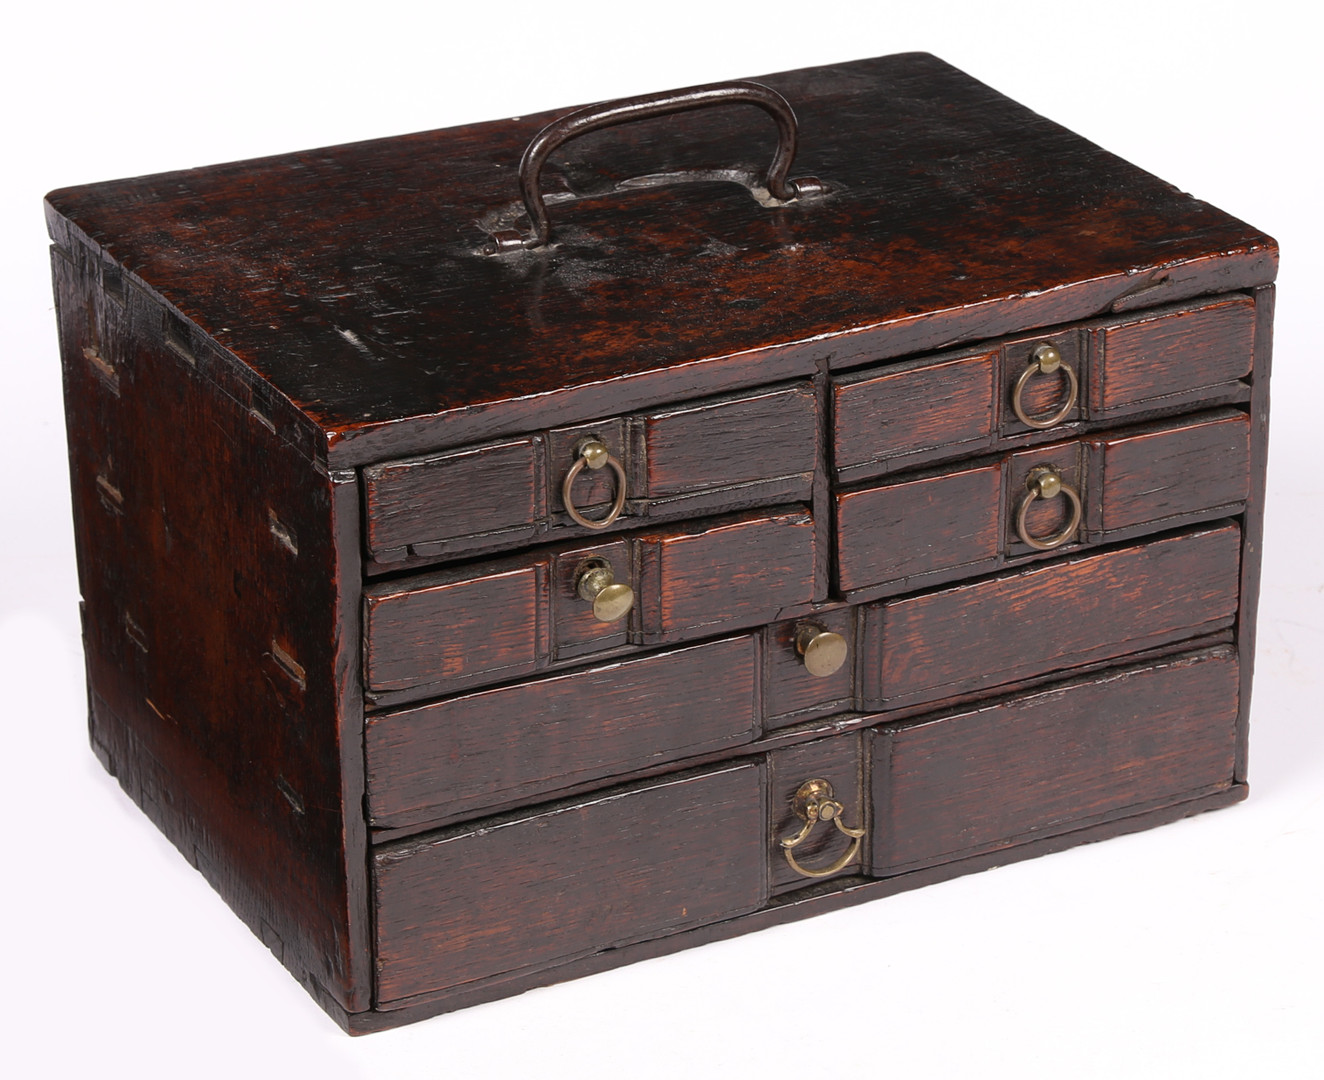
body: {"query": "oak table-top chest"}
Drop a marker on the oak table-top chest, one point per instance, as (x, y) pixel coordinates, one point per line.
(511, 551)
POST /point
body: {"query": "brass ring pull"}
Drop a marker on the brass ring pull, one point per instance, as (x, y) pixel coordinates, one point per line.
(1047, 483)
(1044, 361)
(814, 803)
(594, 455)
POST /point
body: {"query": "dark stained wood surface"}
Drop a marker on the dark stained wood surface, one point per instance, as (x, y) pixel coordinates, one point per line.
(570, 880)
(1161, 354)
(209, 626)
(1170, 470)
(903, 412)
(1051, 617)
(707, 456)
(960, 785)
(538, 737)
(917, 526)
(347, 277)
(740, 572)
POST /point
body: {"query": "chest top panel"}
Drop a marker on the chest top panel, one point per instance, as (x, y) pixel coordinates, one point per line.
(352, 279)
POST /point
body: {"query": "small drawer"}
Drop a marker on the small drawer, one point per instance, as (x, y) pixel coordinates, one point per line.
(1107, 487)
(1089, 608)
(1046, 763)
(494, 747)
(1169, 358)
(534, 889)
(804, 846)
(702, 457)
(434, 634)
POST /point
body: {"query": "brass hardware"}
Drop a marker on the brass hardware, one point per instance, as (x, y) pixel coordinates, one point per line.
(1045, 482)
(1045, 360)
(814, 802)
(594, 454)
(824, 652)
(596, 583)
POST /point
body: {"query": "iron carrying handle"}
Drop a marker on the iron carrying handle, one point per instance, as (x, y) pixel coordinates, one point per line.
(610, 113)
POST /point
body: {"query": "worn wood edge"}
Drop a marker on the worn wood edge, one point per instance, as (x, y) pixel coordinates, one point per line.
(353, 772)
(786, 909)
(1252, 530)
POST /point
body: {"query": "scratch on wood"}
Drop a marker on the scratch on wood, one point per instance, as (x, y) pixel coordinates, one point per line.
(111, 496)
(289, 665)
(291, 796)
(103, 367)
(135, 632)
(283, 534)
(264, 420)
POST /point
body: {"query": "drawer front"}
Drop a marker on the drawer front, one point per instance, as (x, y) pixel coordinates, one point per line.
(1024, 625)
(703, 457)
(978, 518)
(534, 738)
(1147, 360)
(899, 414)
(438, 633)
(542, 888)
(1050, 762)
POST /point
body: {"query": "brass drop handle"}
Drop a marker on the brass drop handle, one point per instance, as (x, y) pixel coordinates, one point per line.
(813, 803)
(1045, 360)
(1045, 482)
(597, 584)
(823, 651)
(593, 454)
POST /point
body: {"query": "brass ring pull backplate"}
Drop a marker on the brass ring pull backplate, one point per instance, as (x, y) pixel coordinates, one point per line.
(1045, 360)
(606, 114)
(813, 803)
(594, 455)
(1046, 482)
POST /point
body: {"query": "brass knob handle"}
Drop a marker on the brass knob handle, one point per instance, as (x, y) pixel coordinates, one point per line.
(1046, 482)
(814, 802)
(597, 584)
(1045, 360)
(593, 454)
(824, 652)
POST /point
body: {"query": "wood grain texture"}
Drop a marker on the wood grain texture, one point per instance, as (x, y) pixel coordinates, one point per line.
(955, 786)
(977, 635)
(736, 572)
(943, 404)
(371, 251)
(569, 881)
(734, 441)
(454, 629)
(1165, 353)
(918, 526)
(1171, 470)
(537, 737)
(189, 596)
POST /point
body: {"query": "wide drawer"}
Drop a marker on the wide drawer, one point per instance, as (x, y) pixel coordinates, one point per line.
(700, 457)
(980, 515)
(957, 404)
(967, 638)
(539, 888)
(437, 633)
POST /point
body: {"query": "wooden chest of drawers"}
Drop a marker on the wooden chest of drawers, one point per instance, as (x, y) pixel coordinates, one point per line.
(478, 601)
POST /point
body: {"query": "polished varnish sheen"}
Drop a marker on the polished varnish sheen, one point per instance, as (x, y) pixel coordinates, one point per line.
(339, 647)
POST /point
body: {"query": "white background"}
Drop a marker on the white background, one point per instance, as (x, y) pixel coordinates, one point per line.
(1193, 950)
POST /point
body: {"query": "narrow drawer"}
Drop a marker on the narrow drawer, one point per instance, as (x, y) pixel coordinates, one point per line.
(702, 457)
(1114, 486)
(1039, 764)
(998, 630)
(434, 634)
(1169, 357)
(541, 888)
(537, 737)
